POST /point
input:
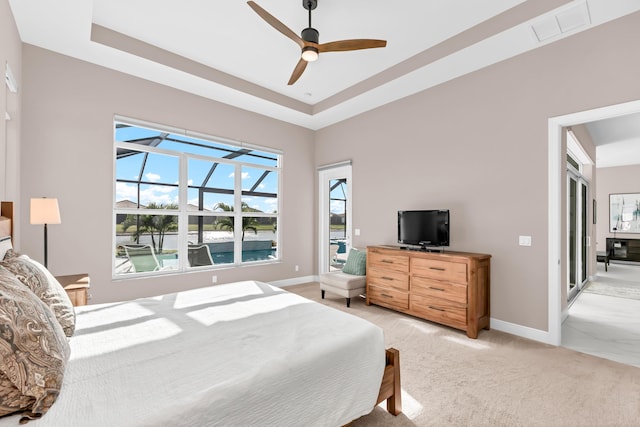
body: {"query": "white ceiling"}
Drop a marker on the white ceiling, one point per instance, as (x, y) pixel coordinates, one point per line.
(224, 51)
(617, 140)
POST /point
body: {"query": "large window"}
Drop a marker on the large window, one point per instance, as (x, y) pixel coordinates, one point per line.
(185, 201)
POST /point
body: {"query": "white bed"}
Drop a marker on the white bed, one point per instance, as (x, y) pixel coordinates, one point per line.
(240, 354)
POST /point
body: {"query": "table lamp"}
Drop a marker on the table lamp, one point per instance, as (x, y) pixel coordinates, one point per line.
(45, 211)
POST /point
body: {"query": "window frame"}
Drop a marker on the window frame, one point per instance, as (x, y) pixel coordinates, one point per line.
(183, 213)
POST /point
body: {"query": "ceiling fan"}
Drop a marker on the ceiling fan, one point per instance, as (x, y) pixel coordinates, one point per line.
(309, 44)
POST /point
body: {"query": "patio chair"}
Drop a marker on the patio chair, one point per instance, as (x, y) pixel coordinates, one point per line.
(142, 258)
(333, 253)
(199, 255)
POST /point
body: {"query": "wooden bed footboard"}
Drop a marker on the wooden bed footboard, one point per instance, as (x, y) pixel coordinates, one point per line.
(390, 387)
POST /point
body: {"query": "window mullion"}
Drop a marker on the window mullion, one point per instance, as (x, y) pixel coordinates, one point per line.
(183, 216)
(237, 209)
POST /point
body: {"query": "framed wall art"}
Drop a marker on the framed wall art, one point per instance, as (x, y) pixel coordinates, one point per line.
(624, 213)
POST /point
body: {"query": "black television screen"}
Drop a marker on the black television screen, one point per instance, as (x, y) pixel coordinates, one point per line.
(423, 228)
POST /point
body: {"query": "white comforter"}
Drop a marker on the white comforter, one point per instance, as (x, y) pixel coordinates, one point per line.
(243, 354)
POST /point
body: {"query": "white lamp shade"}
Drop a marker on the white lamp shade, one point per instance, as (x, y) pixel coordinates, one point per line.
(45, 211)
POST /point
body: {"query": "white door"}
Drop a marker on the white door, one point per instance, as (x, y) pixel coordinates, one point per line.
(334, 223)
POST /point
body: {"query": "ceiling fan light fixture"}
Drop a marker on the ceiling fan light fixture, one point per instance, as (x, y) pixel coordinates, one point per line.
(309, 53)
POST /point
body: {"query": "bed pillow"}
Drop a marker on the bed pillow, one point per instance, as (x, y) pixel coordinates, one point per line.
(356, 263)
(5, 245)
(33, 351)
(42, 283)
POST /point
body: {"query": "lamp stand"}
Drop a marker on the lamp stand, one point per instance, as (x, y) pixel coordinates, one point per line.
(45, 245)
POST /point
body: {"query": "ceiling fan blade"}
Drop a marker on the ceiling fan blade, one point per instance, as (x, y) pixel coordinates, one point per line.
(354, 44)
(271, 20)
(297, 72)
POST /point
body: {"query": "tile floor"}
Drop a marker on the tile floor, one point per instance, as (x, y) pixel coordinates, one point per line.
(606, 326)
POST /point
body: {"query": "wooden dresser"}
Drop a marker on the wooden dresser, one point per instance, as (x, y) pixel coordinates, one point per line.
(451, 288)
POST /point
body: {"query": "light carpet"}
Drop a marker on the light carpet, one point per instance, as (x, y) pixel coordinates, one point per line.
(495, 380)
(614, 288)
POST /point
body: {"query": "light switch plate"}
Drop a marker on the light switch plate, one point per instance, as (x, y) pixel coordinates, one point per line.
(524, 240)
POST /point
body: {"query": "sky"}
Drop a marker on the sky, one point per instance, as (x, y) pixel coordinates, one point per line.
(164, 169)
(336, 204)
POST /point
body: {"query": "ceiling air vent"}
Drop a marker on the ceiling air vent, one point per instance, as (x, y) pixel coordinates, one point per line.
(563, 21)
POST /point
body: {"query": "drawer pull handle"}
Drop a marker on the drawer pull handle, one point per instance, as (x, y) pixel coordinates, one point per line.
(388, 261)
(386, 278)
(436, 289)
(436, 268)
(386, 296)
(436, 308)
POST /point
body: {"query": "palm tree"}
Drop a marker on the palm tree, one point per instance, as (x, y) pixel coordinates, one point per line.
(152, 224)
(227, 223)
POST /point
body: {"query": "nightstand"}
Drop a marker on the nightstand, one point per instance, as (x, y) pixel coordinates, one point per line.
(77, 287)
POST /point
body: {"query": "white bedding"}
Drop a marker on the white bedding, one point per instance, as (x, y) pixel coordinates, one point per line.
(243, 354)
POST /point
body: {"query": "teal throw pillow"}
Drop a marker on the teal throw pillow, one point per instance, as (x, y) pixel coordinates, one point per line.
(356, 263)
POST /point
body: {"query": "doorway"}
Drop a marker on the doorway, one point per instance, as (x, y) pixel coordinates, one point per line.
(334, 217)
(557, 161)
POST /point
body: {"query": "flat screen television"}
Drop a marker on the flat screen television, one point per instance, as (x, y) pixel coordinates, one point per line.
(425, 228)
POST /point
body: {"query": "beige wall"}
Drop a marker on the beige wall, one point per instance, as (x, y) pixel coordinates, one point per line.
(67, 146)
(478, 145)
(11, 53)
(622, 179)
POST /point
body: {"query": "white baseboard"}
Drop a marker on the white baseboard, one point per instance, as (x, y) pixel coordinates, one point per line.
(521, 331)
(294, 281)
(499, 325)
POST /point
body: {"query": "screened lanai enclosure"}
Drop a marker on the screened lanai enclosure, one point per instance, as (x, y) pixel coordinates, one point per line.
(184, 200)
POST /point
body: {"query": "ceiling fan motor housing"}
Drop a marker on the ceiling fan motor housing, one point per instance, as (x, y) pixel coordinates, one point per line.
(310, 35)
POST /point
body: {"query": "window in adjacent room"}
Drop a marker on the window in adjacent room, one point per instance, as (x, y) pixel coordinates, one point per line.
(184, 201)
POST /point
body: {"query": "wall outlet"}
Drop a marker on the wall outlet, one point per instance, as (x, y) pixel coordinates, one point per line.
(297, 267)
(214, 279)
(357, 231)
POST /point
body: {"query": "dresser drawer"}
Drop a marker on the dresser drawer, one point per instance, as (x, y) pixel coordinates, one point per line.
(388, 297)
(386, 262)
(388, 278)
(438, 310)
(440, 270)
(454, 292)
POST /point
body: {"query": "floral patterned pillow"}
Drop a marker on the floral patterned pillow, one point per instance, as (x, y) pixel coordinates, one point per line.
(33, 351)
(42, 283)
